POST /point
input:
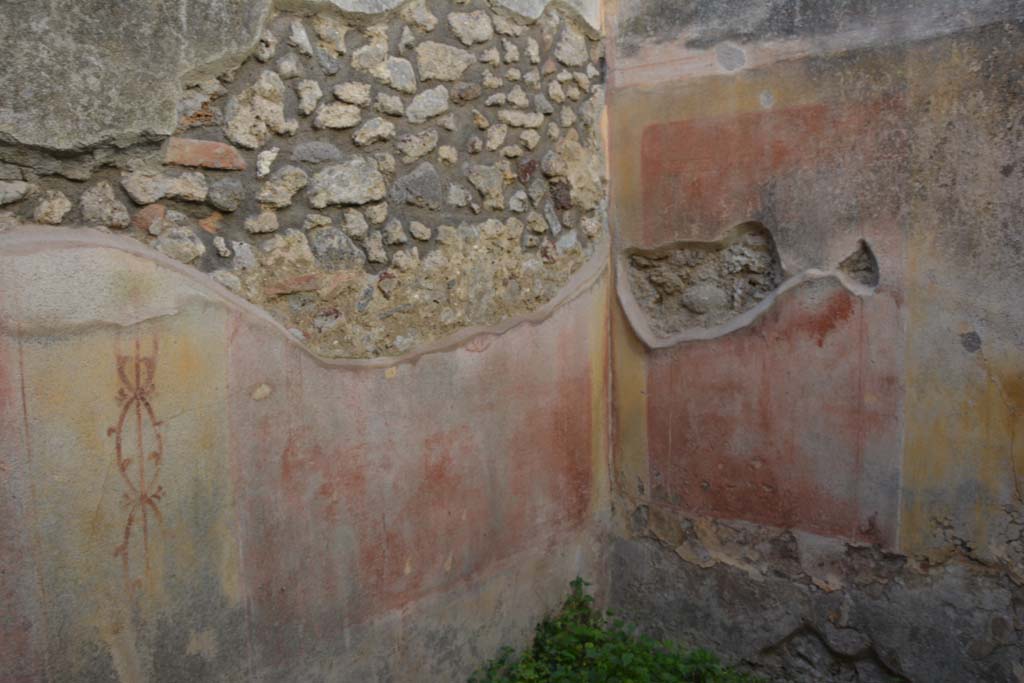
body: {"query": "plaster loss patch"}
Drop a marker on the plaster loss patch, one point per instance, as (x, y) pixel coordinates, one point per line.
(374, 187)
(704, 284)
(861, 266)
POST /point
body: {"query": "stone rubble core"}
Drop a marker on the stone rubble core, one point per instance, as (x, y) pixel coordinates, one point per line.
(699, 290)
(705, 284)
(373, 186)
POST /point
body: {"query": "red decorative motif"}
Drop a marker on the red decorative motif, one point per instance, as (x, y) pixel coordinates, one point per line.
(139, 462)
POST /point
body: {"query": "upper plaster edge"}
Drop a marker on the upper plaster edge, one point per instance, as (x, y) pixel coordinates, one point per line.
(30, 238)
(691, 54)
(653, 341)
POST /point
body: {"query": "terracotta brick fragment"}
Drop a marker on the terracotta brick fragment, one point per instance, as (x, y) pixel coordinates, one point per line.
(211, 223)
(148, 215)
(289, 285)
(203, 153)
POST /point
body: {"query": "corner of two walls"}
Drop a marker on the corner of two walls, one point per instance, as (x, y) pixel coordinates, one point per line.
(196, 483)
(808, 361)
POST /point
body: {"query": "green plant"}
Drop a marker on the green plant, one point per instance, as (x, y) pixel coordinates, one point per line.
(581, 645)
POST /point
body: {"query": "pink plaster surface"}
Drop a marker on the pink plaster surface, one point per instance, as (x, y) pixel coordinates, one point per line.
(793, 416)
(704, 175)
(385, 489)
(22, 628)
(355, 491)
(785, 422)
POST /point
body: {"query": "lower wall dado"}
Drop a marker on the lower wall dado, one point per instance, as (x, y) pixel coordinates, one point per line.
(804, 608)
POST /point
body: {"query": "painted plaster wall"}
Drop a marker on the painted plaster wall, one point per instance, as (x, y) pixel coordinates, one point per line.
(188, 494)
(765, 477)
(829, 491)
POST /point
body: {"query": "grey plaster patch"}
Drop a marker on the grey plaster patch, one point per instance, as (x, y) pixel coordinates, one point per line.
(971, 341)
(114, 70)
(730, 57)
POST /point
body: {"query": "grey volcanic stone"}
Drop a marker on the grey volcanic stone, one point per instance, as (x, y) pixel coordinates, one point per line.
(331, 244)
(355, 181)
(589, 10)
(437, 61)
(375, 251)
(419, 14)
(100, 206)
(416, 145)
(309, 93)
(702, 298)
(9, 172)
(490, 182)
(572, 47)
(315, 152)
(355, 224)
(226, 194)
(401, 76)
(180, 243)
(390, 104)
(394, 233)
(114, 70)
(427, 104)
(282, 186)
(14, 191)
(420, 187)
(471, 27)
(374, 130)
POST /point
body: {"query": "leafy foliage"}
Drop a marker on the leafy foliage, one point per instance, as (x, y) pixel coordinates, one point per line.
(581, 645)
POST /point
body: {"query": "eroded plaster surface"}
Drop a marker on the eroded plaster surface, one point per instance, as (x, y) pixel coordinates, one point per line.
(800, 419)
(800, 607)
(866, 408)
(192, 495)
